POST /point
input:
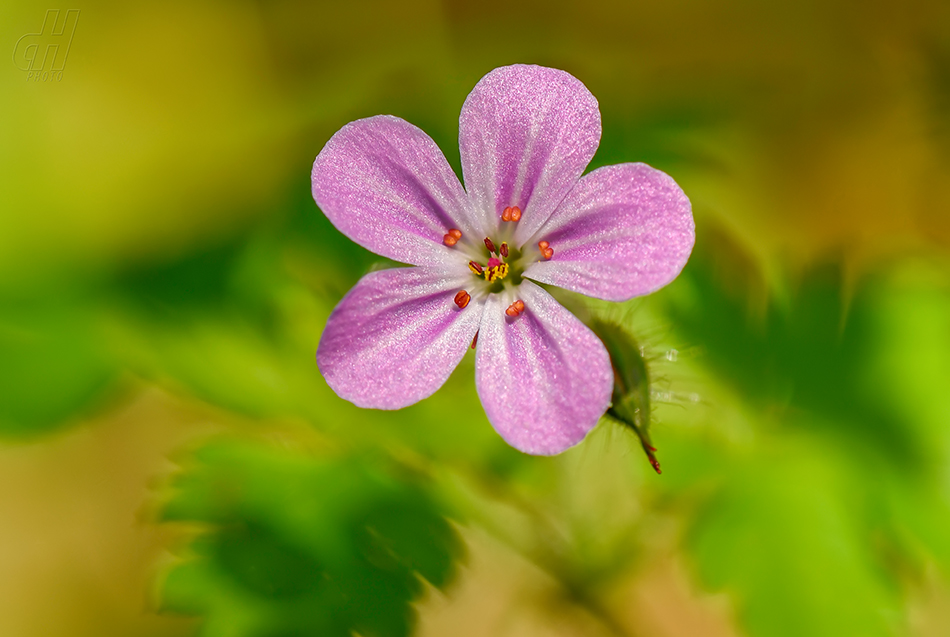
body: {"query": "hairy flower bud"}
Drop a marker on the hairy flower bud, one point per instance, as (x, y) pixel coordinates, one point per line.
(630, 402)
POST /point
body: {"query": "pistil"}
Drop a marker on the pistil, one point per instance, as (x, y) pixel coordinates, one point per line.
(496, 268)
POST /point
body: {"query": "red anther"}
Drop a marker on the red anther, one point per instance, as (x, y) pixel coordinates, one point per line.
(475, 267)
(489, 245)
(462, 298)
(475, 340)
(515, 213)
(503, 250)
(547, 253)
(455, 232)
(450, 240)
(515, 309)
(543, 244)
(506, 214)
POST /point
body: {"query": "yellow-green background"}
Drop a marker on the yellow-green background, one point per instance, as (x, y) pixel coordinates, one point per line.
(165, 275)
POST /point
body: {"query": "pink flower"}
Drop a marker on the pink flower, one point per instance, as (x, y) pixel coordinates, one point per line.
(526, 214)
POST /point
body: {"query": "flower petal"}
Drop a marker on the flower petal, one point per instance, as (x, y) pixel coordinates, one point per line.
(526, 134)
(543, 377)
(386, 185)
(624, 231)
(395, 337)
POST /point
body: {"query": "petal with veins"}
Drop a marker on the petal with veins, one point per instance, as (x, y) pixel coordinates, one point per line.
(386, 185)
(526, 135)
(543, 377)
(395, 337)
(624, 231)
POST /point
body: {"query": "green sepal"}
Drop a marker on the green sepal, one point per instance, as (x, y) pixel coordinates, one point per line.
(630, 402)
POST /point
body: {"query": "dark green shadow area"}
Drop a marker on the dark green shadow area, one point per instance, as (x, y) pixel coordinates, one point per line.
(54, 369)
(301, 545)
(806, 355)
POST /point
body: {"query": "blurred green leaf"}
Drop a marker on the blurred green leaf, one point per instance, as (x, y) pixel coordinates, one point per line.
(819, 523)
(305, 546)
(805, 354)
(52, 364)
(781, 535)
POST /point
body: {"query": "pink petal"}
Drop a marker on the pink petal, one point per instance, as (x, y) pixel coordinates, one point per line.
(543, 377)
(624, 231)
(386, 185)
(395, 337)
(526, 135)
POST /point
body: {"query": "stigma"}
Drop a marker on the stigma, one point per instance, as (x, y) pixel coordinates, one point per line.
(494, 271)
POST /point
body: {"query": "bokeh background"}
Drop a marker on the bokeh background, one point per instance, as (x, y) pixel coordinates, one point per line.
(173, 464)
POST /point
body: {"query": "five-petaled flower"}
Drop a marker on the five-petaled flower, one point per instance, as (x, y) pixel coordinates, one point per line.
(526, 134)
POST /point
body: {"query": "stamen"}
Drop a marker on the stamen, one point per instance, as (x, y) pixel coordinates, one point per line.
(493, 262)
(475, 268)
(504, 249)
(515, 309)
(489, 245)
(462, 298)
(452, 237)
(475, 340)
(515, 213)
(543, 244)
(506, 214)
(547, 253)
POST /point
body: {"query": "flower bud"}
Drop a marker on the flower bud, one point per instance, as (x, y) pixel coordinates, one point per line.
(631, 395)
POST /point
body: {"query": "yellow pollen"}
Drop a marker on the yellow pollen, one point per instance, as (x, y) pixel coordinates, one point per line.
(496, 273)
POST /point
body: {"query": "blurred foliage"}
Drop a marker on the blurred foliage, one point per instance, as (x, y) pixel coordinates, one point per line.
(803, 354)
(304, 546)
(53, 368)
(811, 525)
